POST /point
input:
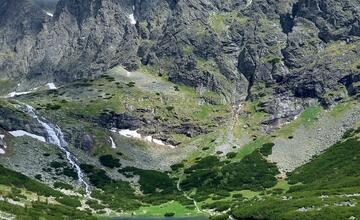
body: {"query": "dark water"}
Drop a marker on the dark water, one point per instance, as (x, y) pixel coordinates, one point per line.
(160, 218)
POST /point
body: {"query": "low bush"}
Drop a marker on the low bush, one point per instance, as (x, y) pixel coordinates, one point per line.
(266, 149)
(109, 161)
(61, 185)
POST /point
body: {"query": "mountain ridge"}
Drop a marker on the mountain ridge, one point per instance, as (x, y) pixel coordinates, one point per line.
(215, 108)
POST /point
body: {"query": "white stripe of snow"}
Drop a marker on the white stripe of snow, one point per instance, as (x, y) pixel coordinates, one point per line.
(2, 151)
(132, 19)
(13, 94)
(2, 138)
(113, 145)
(20, 133)
(51, 86)
(130, 134)
(49, 13)
(248, 3)
(134, 134)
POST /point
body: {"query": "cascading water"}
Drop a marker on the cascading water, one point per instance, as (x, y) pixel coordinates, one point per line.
(56, 137)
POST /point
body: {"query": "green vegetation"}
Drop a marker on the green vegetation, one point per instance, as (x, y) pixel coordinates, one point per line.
(266, 149)
(338, 167)
(251, 147)
(69, 201)
(61, 185)
(109, 161)
(209, 175)
(117, 195)
(220, 22)
(24, 189)
(11, 178)
(39, 210)
(325, 188)
(169, 207)
(95, 101)
(6, 86)
(307, 119)
(152, 181)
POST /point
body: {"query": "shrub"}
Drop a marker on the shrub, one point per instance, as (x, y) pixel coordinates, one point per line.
(176, 167)
(95, 204)
(70, 172)
(266, 149)
(50, 106)
(169, 214)
(109, 161)
(231, 155)
(38, 177)
(169, 108)
(210, 175)
(61, 185)
(99, 178)
(11, 178)
(69, 201)
(151, 181)
(87, 168)
(348, 133)
(131, 84)
(56, 164)
(275, 60)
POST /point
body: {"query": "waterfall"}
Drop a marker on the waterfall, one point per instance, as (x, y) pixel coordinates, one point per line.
(55, 136)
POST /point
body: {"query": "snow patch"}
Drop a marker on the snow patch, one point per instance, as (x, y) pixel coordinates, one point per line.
(132, 19)
(2, 151)
(113, 145)
(158, 142)
(49, 14)
(136, 135)
(248, 3)
(2, 138)
(20, 133)
(51, 86)
(130, 134)
(13, 94)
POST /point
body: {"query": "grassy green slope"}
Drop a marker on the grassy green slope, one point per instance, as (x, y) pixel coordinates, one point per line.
(326, 188)
(24, 198)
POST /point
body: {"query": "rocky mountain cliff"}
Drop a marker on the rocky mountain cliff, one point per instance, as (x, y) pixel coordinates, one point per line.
(232, 109)
(284, 52)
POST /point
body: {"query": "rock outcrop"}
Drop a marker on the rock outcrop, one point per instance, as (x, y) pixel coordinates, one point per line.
(269, 50)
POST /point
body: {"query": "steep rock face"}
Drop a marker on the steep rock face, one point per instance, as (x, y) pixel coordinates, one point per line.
(336, 20)
(20, 23)
(12, 119)
(82, 39)
(269, 50)
(86, 37)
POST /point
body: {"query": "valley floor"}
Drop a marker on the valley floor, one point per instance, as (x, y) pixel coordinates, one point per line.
(149, 147)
